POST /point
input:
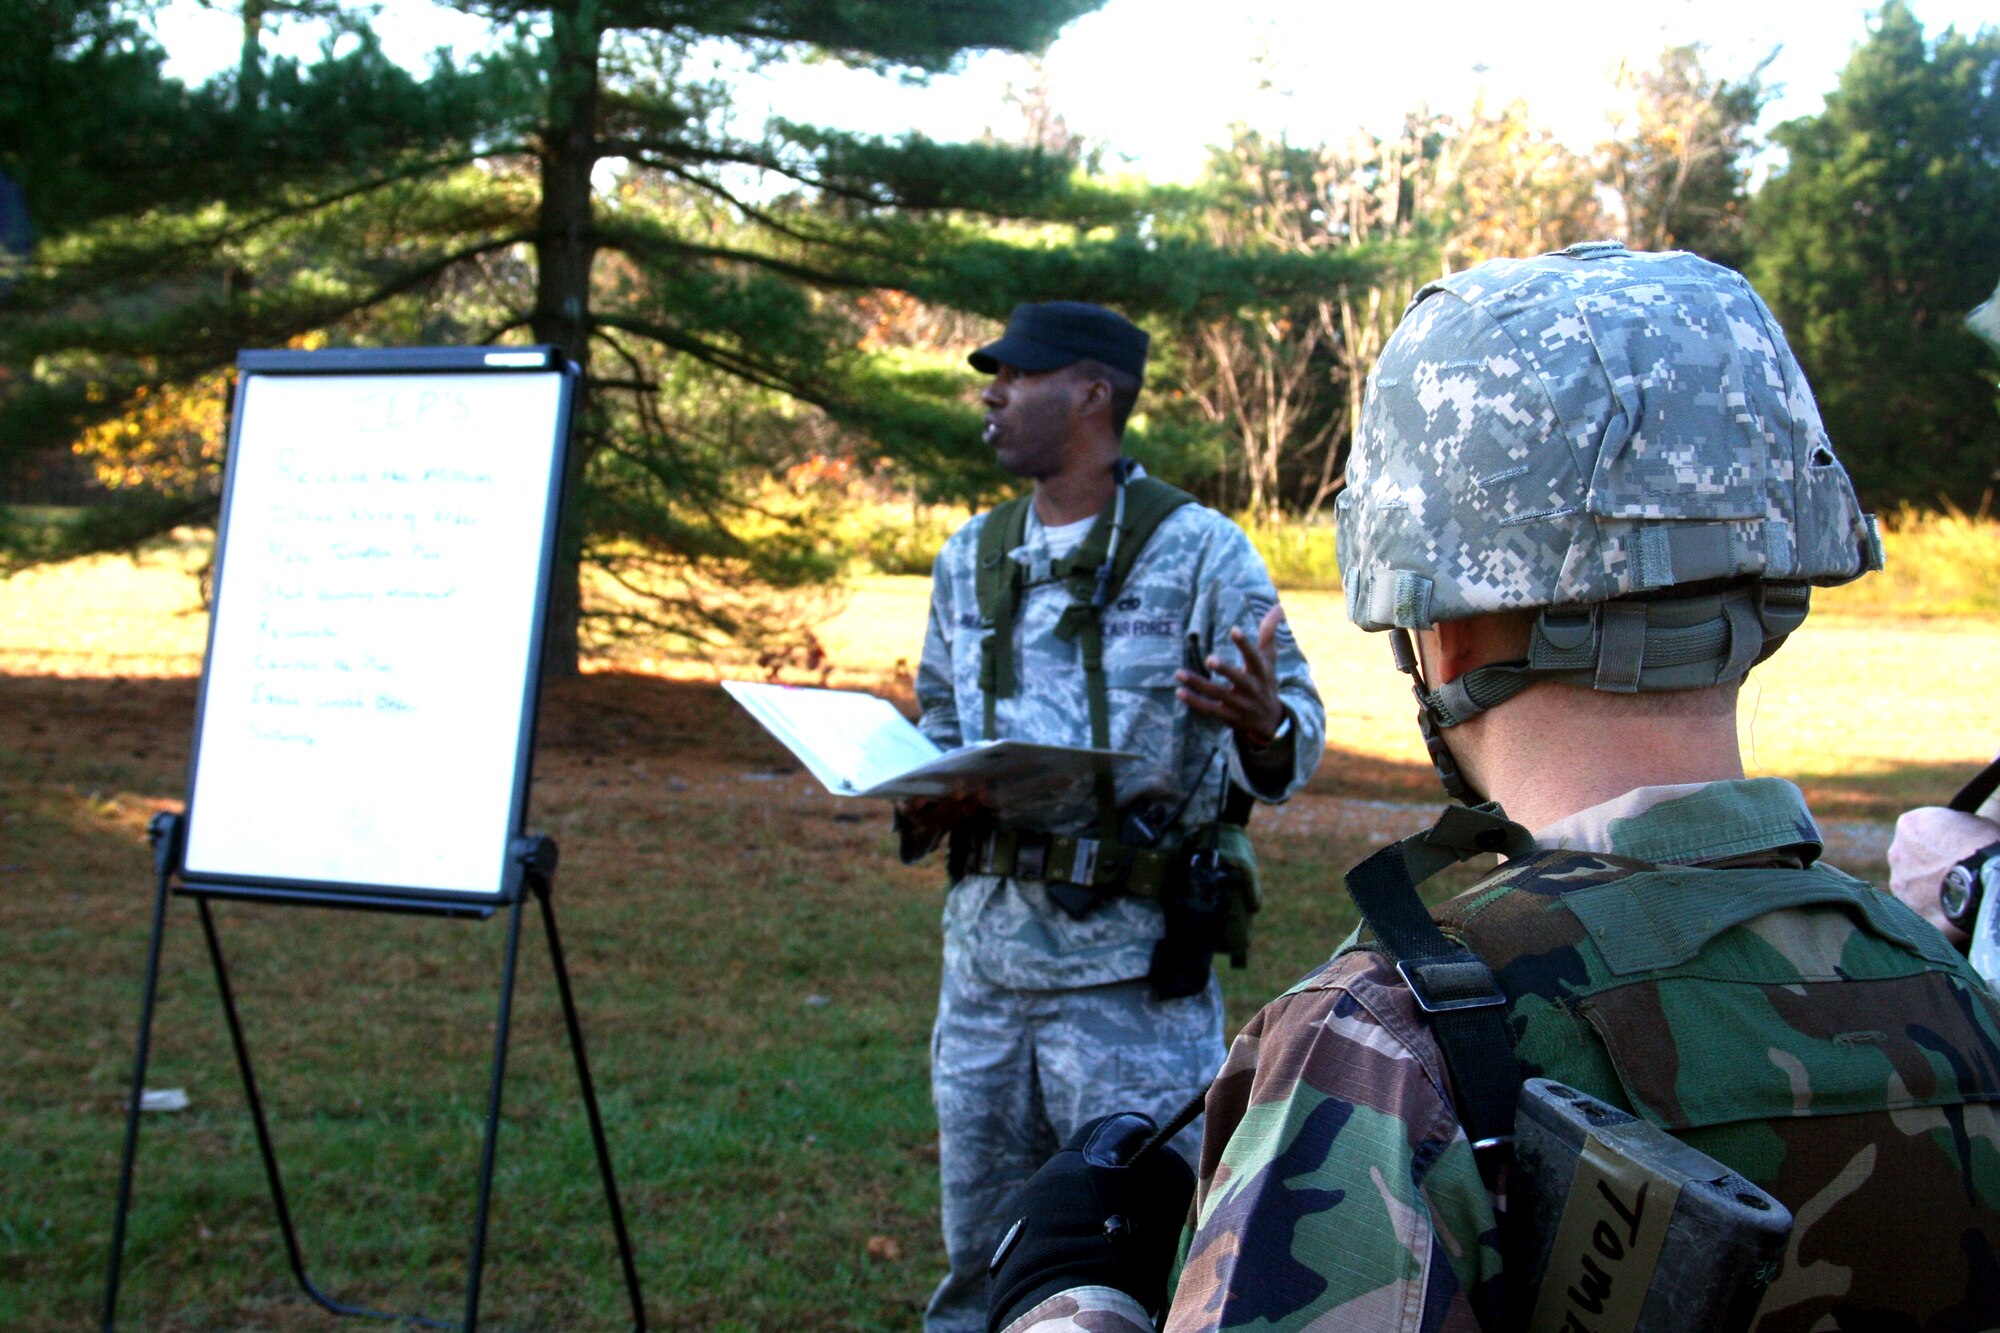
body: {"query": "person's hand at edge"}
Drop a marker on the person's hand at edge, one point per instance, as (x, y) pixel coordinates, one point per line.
(1094, 1216)
(921, 822)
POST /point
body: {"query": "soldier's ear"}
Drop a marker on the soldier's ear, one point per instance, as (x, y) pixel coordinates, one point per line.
(1454, 647)
(1095, 400)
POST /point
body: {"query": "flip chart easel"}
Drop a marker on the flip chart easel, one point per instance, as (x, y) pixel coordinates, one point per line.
(366, 725)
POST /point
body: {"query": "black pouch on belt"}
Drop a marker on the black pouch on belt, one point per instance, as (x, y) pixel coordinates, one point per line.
(1196, 907)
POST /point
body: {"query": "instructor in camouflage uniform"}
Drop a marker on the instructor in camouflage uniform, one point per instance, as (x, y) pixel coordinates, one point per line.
(1046, 1014)
(1594, 489)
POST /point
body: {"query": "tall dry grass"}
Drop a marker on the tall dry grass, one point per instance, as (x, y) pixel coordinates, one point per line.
(1939, 563)
(1944, 563)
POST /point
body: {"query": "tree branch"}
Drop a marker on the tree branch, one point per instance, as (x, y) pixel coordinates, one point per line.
(709, 354)
(632, 242)
(155, 261)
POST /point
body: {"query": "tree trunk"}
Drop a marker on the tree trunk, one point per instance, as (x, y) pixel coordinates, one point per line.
(565, 245)
(250, 60)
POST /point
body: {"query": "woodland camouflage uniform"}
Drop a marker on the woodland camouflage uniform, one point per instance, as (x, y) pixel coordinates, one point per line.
(1843, 1063)
(1044, 1019)
(1337, 1190)
(1562, 433)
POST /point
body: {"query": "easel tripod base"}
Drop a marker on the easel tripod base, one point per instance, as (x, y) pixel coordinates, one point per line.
(535, 858)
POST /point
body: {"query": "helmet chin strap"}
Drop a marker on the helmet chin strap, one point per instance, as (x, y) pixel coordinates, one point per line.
(1432, 722)
(1695, 640)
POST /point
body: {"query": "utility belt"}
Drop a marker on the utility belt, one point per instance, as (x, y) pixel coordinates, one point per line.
(1206, 885)
(1104, 868)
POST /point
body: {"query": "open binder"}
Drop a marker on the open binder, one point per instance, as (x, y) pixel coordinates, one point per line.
(858, 745)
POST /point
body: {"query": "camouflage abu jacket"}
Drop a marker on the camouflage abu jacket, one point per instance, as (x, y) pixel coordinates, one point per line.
(1337, 1190)
(1197, 578)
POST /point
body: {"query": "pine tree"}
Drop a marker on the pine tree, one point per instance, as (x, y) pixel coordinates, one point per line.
(1873, 242)
(348, 200)
(88, 124)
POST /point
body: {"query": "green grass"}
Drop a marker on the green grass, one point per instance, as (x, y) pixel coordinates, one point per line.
(1943, 563)
(777, 1157)
(1938, 564)
(897, 539)
(50, 515)
(761, 1141)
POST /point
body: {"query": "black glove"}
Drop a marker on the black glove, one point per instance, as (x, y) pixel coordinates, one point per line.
(1094, 1216)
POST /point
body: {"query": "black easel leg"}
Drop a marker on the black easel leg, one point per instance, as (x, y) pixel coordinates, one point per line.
(543, 896)
(492, 1120)
(132, 1107)
(264, 1146)
(250, 1094)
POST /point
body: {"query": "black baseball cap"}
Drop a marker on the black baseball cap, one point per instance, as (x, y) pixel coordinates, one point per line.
(1049, 335)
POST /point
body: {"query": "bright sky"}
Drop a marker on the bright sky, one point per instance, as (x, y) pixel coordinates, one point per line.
(1157, 81)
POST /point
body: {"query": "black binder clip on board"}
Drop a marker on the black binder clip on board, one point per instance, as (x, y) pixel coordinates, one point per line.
(366, 720)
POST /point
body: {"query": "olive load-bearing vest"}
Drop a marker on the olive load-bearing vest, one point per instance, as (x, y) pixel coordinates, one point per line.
(1094, 574)
(1629, 981)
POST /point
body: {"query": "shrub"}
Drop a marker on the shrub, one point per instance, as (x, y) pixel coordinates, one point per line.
(1299, 555)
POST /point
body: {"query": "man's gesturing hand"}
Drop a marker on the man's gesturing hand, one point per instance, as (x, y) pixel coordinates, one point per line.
(1244, 698)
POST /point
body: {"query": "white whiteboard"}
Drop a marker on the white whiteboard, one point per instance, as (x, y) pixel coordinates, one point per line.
(367, 696)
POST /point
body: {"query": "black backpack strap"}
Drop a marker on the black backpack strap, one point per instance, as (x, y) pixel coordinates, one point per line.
(1974, 793)
(1451, 983)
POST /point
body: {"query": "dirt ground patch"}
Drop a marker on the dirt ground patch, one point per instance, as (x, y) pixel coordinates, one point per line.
(630, 733)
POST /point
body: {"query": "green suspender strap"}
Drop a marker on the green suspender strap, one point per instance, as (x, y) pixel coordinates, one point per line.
(1000, 582)
(1093, 573)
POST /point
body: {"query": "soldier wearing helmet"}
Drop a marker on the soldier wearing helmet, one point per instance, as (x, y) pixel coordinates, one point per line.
(1590, 491)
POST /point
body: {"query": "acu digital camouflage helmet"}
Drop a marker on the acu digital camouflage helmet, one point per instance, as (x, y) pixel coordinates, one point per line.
(1617, 438)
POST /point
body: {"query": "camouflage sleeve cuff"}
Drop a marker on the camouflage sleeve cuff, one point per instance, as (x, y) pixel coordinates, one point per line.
(1084, 1310)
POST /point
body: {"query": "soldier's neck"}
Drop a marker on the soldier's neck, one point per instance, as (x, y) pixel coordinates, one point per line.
(1081, 489)
(1554, 750)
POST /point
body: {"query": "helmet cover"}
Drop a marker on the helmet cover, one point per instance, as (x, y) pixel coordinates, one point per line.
(1587, 426)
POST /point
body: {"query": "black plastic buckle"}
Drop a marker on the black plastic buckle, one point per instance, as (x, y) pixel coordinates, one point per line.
(1415, 974)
